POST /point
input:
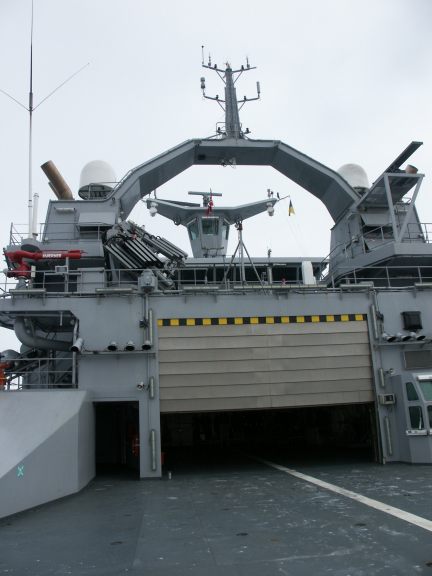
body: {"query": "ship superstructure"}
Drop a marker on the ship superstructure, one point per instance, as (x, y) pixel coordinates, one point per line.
(130, 347)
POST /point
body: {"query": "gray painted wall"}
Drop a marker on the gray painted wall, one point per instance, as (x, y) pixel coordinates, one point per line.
(47, 447)
(118, 375)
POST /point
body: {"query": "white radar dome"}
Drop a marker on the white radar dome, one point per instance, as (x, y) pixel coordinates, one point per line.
(96, 180)
(355, 175)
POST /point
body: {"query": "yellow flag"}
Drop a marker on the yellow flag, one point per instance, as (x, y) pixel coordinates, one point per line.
(290, 209)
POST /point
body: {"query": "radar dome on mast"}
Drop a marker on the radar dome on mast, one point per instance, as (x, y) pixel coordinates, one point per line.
(355, 175)
(97, 180)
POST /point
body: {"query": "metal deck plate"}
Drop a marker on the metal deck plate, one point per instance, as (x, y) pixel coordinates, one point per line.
(242, 518)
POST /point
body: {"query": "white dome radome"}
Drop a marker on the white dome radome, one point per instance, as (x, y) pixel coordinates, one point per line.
(97, 174)
(355, 175)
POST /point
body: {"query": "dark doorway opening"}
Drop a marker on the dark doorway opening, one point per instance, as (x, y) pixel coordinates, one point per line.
(294, 435)
(117, 438)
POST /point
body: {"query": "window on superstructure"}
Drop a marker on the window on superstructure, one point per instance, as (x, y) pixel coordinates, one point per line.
(416, 418)
(426, 388)
(411, 392)
(210, 226)
(226, 227)
(193, 229)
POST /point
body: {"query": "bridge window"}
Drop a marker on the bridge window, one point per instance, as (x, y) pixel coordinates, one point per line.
(416, 418)
(426, 388)
(193, 229)
(411, 392)
(210, 226)
(226, 228)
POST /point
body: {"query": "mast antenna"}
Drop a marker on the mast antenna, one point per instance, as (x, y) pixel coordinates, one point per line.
(31, 231)
(30, 109)
(230, 105)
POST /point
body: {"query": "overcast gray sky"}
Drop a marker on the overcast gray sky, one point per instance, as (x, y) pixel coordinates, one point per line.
(341, 80)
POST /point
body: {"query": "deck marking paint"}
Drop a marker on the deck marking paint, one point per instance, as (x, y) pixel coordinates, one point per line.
(240, 320)
(396, 512)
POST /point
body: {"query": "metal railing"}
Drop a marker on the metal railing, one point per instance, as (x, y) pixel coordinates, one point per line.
(41, 373)
(62, 232)
(378, 237)
(61, 281)
(76, 283)
(7, 284)
(420, 233)
(383, 276)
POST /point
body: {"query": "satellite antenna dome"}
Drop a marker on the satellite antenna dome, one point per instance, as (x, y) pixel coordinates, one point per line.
(97, 180)
(355, 175)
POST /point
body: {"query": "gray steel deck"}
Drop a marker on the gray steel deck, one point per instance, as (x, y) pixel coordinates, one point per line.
(233, 518)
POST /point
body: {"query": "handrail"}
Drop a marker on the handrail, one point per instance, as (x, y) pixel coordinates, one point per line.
(19, 233)
(38, 373)
(383, 276)
(99, 281)
(420, 232)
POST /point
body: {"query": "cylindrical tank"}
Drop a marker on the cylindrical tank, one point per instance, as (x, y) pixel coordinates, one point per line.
(97, 180)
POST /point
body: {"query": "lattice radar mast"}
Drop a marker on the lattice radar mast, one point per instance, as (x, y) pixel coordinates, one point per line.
(230, 104)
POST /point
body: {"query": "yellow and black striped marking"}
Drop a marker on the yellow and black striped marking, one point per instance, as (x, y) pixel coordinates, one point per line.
(240, 320)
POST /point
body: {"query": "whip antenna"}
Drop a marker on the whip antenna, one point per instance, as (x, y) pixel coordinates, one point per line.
(30, 109)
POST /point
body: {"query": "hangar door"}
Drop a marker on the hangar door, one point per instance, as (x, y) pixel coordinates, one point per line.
(259, 363)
